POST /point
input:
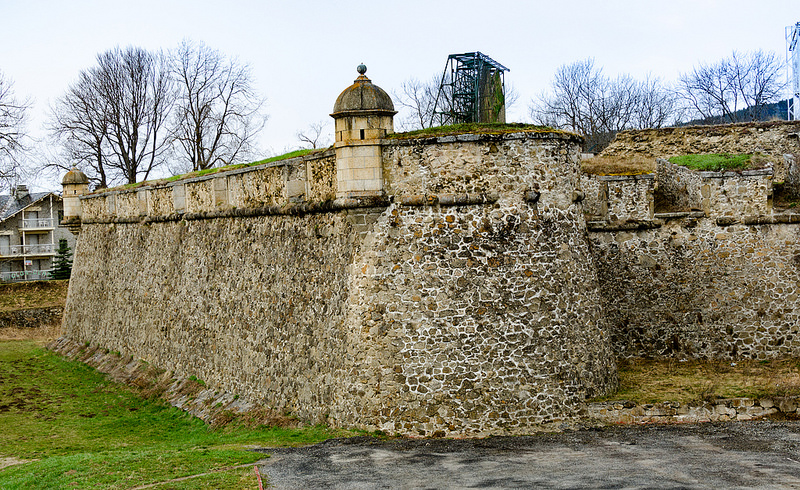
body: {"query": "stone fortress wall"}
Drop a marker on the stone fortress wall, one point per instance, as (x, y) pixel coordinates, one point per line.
(469, 284)
(717, 274)
(461, 301)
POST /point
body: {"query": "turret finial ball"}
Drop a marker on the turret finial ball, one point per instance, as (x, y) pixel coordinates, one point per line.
(362, 68)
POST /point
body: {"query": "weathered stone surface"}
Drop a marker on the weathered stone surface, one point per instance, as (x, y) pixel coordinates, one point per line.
(721, 410)
(31, 317)
(694, 289)
(456, 313)
(771, 138)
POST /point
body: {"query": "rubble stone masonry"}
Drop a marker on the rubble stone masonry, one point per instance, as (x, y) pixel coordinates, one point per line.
(463, 301)
(479, 293)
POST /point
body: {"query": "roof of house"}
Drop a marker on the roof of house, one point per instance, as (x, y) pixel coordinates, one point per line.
(10, 205)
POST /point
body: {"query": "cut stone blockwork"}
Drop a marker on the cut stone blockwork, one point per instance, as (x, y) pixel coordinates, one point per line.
(363, 113)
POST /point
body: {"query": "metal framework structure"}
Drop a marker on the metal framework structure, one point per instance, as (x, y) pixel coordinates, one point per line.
(793, 54)
(472, 90)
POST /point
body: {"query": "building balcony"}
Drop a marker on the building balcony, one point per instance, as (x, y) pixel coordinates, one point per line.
(16, 276)
(45, 249)
(31, 224)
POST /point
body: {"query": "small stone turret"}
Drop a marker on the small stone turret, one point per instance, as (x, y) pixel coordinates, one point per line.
(364, 115)
(74, 184)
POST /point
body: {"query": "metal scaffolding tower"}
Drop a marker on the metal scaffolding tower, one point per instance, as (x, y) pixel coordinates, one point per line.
(793, 53)
(472, 90)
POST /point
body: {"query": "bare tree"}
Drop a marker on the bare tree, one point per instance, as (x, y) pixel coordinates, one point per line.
(137, 93)
(78, 122)
(314, 135)
(417, 99)
(217, 112)
(736, 88)
(113, 119)
(584, 100)
(13, 116)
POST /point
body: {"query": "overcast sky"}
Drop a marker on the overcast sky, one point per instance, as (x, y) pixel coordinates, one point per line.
(304, 53)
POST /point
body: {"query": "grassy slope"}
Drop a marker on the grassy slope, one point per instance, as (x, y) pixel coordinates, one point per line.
(34, 294)
(86, 432)
(685, 381)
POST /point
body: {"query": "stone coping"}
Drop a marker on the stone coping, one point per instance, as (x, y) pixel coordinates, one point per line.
(612, 178)
(660, 218)
(626, 225)
(720, 410)
(680, 214)
(732, 174)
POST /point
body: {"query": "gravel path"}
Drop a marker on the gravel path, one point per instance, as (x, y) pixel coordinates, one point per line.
(729, 455)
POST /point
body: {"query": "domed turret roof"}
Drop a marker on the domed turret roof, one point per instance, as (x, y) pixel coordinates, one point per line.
(75, 176)
(363, 96)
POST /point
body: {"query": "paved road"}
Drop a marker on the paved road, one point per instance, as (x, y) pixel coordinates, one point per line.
(732, 455)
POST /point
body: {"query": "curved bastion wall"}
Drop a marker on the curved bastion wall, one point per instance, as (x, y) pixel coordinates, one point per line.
(462, 301)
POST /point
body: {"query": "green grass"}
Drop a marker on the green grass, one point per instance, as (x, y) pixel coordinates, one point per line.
(715, 162)
(291, 154)
(479, 128)
(84, 431)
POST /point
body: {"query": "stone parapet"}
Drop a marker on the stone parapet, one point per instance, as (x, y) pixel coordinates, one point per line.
(618, 197)
(309, 178)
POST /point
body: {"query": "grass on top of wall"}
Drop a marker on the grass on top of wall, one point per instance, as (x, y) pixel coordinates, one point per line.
(718, 162)
(65, 425)
(614, 165)
(214, 170)
(474, 128)
(697, 380)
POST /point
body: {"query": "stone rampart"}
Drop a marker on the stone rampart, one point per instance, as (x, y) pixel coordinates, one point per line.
(463, 301)
(702, 287)
(769, 138)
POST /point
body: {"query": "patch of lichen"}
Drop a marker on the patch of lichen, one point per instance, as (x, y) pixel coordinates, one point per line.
(474, 128)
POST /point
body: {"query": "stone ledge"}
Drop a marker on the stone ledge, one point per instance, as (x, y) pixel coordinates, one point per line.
(680, 214)
(733, 174)
(626, 412)
(613, 178)
(446, 199)
(627, 225)
(771, 220)
(290, 209)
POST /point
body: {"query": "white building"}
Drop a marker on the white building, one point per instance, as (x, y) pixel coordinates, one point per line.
(29, 234)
